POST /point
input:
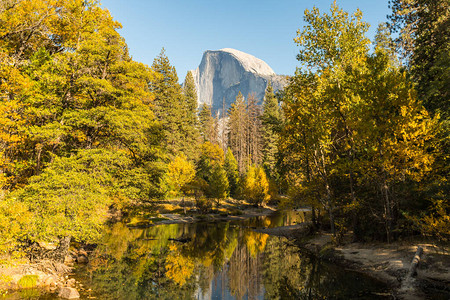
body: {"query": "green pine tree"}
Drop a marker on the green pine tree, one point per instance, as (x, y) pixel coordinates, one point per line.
(271, 121)
(231, 168)
(190, 125)
(168, 102)
(218, 184)
(238, 132)
(207, 124)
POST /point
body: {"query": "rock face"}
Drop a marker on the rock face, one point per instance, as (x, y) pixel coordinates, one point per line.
(224, 73)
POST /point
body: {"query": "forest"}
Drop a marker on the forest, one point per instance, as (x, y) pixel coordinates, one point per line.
(360, 134)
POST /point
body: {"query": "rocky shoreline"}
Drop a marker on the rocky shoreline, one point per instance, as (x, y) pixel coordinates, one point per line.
(43, 277)
(388, 263)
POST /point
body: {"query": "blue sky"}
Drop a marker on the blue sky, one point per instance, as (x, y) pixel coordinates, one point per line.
(263, 28)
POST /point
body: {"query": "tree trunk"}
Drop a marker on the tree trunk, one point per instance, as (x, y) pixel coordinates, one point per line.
(62, 250)
(328, 190)
(415, 262)
(330, 210)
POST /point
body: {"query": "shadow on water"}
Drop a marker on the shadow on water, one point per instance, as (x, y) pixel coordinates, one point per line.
(224, 260)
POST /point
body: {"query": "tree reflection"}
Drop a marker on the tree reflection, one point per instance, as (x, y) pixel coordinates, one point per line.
(185, 261)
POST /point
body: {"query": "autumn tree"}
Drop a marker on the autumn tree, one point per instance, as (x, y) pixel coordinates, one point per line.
(210, 167)
(333, 45)
(423, 39)
(256, 186)
(330, 105)
(180, 172)
(74, 102)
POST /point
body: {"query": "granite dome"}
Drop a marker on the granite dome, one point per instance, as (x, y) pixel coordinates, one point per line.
(223, 73)
(250, 63)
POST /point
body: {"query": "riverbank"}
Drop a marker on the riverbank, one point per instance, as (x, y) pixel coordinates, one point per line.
(21, 279)
(177, 211)
(388, 263)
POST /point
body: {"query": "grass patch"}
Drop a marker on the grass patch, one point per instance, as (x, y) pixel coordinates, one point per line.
(28, 281)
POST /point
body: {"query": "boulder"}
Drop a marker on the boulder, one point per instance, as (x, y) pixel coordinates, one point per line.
(50, 281)
(68, 293)
(71, 282)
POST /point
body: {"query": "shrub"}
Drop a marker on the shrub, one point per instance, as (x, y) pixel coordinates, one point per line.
(28, 281)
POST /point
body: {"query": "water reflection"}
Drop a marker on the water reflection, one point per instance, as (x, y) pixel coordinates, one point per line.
(225, 260)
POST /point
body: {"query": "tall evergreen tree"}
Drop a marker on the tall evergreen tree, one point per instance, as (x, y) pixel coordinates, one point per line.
(253, 131)
(218, 184)
(238, 133)
(190, 126)
(271, 122)
(231, 167)
(168, 103)
(208, 128)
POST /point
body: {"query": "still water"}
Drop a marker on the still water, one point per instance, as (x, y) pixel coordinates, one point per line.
(212, 260)
(224, 260)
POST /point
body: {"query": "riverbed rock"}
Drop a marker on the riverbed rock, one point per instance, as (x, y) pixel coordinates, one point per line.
(68, 293)
(71, 282)
(50, 281)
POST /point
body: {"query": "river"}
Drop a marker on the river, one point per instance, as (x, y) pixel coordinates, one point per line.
(214, 260)
(223, 260)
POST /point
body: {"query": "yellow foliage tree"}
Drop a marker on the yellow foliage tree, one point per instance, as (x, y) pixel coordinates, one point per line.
(15, 223)
(179, 173)
(256, 186)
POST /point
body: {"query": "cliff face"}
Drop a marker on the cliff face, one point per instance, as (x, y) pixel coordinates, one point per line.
(224, 73)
